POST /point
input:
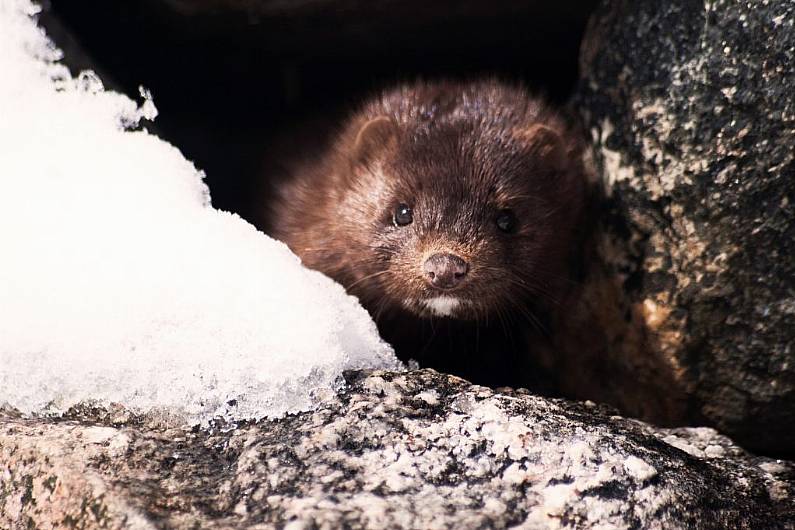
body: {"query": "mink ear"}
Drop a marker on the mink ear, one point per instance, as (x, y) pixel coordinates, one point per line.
(375, 137)
(546, 144)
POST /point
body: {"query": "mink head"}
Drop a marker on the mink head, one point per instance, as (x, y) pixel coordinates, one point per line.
(463, 201)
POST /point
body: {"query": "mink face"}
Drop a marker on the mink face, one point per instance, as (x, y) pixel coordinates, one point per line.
(441, 200)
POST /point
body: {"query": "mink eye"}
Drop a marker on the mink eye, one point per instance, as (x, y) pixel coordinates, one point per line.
(506, 221)
(403, 215)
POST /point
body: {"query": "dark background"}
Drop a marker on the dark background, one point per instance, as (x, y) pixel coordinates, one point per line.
(232, 78)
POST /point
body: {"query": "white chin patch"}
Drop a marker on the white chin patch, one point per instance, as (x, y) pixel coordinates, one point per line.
(442, 306)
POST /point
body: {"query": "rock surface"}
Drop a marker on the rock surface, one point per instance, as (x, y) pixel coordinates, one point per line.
(691, 110)
(395, 450)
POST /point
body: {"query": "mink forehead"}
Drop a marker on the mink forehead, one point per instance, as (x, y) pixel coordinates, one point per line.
(457, 163)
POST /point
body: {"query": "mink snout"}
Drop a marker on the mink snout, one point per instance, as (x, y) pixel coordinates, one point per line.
(445, 271)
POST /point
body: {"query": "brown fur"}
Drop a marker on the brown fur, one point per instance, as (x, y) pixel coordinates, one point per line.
(458, 154)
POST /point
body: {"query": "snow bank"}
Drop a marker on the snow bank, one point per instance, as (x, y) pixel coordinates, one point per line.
(120, 283)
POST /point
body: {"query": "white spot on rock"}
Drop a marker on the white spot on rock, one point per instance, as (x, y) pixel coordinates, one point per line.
(431, 397)
(639, 469)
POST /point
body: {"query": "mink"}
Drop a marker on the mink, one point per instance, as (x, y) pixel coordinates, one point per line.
(452, 211)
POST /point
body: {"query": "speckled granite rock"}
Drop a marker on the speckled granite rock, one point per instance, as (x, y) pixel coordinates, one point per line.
(395, 450)
(691, 108)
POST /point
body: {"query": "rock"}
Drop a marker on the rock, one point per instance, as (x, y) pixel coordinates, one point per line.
(691, 109)
(394, 450)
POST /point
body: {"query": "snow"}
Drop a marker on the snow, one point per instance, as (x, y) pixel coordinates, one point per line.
(119, 283)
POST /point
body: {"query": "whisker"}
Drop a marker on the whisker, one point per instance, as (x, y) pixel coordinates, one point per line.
(382, 304)
(501, 318)
(529, 315)
(427, 345)
(535, 289)
(360, 280)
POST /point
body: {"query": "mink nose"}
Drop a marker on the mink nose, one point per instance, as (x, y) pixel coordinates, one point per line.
(445, 271)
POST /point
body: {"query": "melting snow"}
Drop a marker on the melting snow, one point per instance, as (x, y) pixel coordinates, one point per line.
(120, 283)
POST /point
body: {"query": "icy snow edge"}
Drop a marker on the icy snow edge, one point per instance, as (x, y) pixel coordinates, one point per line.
(119, 283)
